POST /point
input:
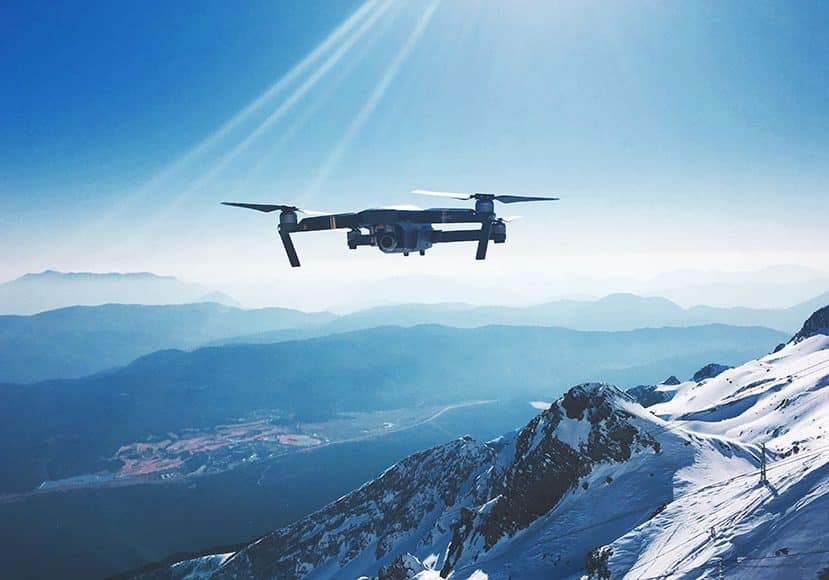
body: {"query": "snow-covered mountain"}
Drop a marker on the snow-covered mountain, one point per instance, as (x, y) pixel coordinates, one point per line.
(596, 485)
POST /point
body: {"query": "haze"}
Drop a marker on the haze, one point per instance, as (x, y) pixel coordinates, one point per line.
(681, 137)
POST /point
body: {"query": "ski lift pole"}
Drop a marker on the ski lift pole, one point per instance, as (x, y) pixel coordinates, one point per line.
(763, 479)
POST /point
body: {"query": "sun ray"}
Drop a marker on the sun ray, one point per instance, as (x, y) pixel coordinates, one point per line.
(373, 100)
(125, 201)
(286, 106)
(177, 199)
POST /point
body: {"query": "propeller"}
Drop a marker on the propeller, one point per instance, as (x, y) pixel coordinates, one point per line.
(267, 208)
(287, 223)
(501, 198)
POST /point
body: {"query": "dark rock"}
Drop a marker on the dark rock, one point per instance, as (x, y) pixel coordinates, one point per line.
(647, 395)
(709, 371)
(671, 380)
(817, 323)
(404, 567)
(597, 563)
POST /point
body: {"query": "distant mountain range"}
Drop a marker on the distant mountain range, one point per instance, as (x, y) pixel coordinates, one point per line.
(62, 428)
(81, 340)
(76, 341)
(613, 312)
(51, 289)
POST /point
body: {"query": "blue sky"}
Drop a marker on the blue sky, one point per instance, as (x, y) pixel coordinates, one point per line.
(679, 135)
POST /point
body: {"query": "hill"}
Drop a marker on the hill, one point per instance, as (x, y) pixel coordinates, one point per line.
(57, 429)
(81, 340)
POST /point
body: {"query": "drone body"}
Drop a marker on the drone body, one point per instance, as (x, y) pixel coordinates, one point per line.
(401, 230)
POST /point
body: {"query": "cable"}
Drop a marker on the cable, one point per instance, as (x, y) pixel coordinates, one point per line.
(719, 523)
(740, 562)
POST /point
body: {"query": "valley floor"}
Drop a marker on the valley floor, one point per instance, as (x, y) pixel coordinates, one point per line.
(180, 457)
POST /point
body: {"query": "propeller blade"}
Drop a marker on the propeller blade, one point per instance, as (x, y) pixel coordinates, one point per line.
(510, 218)
(486, 231)
(267, 208)
(451, 194)
(520, 198)
(483, 196)
(289, 248)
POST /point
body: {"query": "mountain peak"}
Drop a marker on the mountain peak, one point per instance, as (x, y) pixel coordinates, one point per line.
(817, 323)
(595, 399)
(57, 274)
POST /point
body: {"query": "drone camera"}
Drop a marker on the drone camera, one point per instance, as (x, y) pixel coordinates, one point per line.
(387, 241)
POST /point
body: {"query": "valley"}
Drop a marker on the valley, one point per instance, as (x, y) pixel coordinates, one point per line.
(266, 435)
(136, 525)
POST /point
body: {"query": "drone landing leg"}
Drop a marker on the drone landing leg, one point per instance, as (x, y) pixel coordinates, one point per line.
(289, 248)
(486, 231)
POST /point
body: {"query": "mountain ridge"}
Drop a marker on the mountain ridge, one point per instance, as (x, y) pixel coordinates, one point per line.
(51, 289)
(76, 341)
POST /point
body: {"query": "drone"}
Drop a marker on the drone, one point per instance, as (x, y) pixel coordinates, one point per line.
(401, 229)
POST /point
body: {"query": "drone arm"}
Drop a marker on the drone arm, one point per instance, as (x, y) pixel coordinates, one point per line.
(440, 216)
(328, 222)
(482, 236)
(443, 236)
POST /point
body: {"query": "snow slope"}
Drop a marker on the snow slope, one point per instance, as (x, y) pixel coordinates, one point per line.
(597, 486)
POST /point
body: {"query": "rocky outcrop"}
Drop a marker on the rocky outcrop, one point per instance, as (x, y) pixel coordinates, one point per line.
(404, 567)
(709, 371)
(648, 395)
(817, 323)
